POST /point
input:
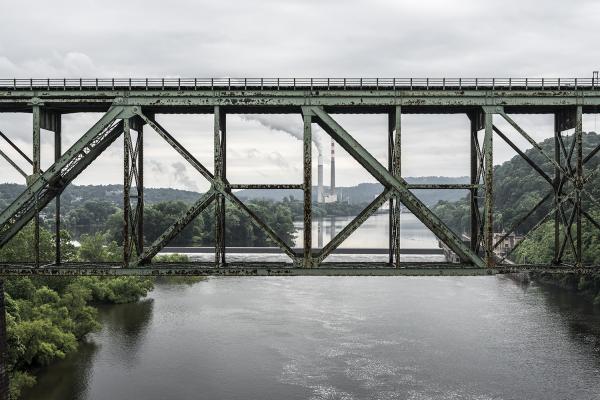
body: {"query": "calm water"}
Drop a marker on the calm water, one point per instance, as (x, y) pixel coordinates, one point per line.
(338, 338)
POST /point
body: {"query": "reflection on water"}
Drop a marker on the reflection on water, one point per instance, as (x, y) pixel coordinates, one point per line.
(339, 338)
(373, 233)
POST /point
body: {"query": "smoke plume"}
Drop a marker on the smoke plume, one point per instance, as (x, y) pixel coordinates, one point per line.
(284, 124)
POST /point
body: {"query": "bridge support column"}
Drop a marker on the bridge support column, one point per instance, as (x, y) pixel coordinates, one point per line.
(307, 184)
(220, 128)
(36, 111)
(488, 168)
(395, 167)
(133, 171)
(558, 124)
(476, 119)
(579, 183)
(3, 347)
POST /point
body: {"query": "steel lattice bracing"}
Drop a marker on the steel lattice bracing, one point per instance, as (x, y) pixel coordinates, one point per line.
(131, 105)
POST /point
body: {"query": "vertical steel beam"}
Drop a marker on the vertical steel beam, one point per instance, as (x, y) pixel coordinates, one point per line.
(488, 153)
(474, 203)
(36, 113)
(307, 183)
(219, 132)
(140, 189)
(126, 188)
(3, 347)
(57, 154)
(557, 188)
(394, 166)
(579, 182)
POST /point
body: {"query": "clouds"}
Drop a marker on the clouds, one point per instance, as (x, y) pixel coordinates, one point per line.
(303, 38)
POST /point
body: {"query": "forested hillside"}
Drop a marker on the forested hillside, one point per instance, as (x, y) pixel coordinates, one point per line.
(518, 188)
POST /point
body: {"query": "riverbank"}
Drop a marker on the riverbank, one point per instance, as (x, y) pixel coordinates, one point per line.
(587, 285)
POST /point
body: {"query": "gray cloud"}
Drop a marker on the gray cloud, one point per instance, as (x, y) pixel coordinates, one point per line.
(387, 38)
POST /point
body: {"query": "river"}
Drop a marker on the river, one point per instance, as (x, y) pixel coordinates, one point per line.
(340, 338)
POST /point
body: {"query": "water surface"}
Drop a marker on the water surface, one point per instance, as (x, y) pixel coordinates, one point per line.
(338, 338)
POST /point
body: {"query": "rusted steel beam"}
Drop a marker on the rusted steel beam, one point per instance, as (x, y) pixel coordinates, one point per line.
(17, 149)
(176, 145)
(524, 156)
(13, 164)
(407, 198)
(531, 141)
(126, 188)
(307, 259)
(476, 122)
(275, 186)
(437, 186)
(57, 221)
(579, 182)
(219, 168)
(55, 178)
(558, 123)
(217, 186)
(353, 225)
(515, 225)
(395, 168)
(488, 179)
(36, 173)
(174, 229)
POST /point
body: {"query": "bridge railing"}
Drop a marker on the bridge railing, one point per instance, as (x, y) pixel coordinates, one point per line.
(299, 83)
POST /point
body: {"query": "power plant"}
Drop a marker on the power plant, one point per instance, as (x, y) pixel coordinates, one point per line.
(329, 196)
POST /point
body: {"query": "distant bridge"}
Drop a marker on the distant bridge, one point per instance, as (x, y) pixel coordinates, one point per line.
(130, 105)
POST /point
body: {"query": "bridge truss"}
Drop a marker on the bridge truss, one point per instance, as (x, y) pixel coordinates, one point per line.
(130, 105)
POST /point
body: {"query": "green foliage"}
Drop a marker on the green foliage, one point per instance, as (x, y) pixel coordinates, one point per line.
(94, 247)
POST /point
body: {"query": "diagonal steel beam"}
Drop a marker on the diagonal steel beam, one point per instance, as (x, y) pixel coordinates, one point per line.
(14, 146)
(523, 219)
(14, 165)
(531, 141)
(174, 229)
(371, 164)
(218, 187)
(523, 155)
(41, 191)
(353, 225)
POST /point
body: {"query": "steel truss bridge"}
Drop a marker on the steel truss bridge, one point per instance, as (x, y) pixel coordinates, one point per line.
(130, 105)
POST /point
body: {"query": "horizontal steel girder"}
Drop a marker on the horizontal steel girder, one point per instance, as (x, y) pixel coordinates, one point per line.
(277, 269)
(399, 185)
(365, 100)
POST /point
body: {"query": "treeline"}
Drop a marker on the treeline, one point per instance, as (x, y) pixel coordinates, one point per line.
(94, 218)
(47, 316)
(518, 188)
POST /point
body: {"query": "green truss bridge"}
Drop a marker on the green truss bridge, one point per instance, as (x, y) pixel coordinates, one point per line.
(129, 106)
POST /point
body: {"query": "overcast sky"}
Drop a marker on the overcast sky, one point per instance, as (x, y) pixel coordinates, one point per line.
(304, 38)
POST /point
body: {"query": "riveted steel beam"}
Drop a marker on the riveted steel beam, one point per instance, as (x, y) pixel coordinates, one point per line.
(307, 259)
(217, 186)
(168, 235)
(353, 225)
(488, 179)
(219, 160)
(275, 186)
(54, 179)
(476, 124)
(369, 162)
(395, 167)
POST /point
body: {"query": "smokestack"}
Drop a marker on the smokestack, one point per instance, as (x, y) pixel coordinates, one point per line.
(332, 167)
(320, 180)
